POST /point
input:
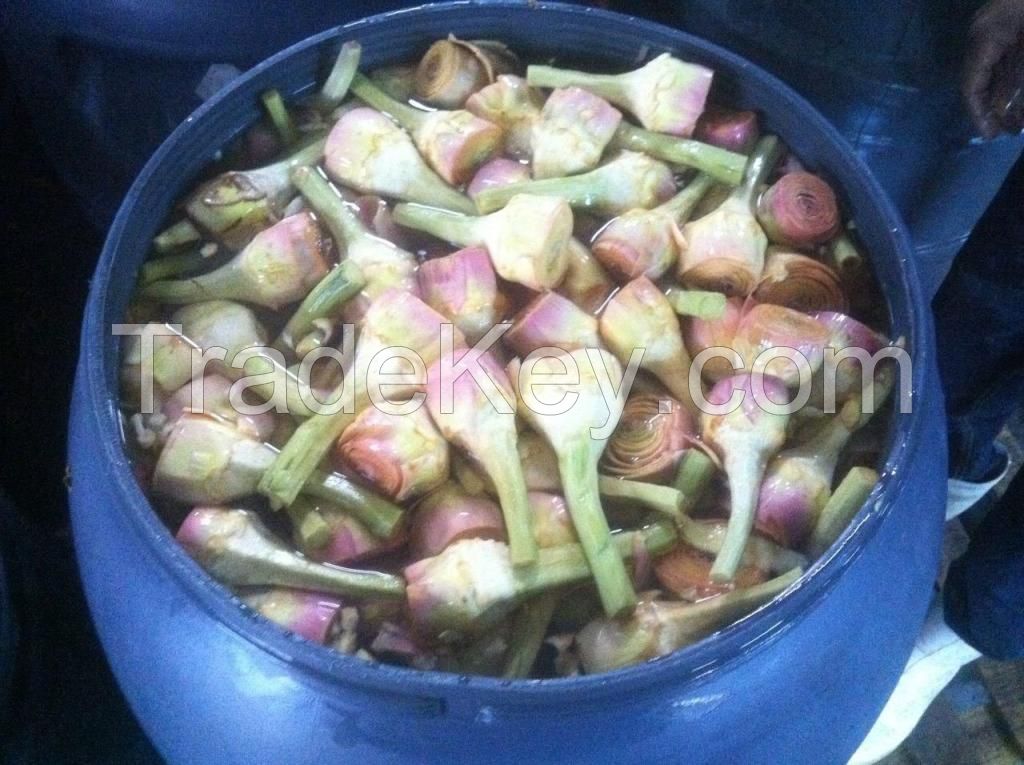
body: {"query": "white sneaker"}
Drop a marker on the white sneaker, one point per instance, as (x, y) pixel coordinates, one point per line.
(938, 655)
(963, 495)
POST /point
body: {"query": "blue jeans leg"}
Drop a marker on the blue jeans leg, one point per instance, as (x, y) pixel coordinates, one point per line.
(979, 314)
(979, 324)
(984, 590)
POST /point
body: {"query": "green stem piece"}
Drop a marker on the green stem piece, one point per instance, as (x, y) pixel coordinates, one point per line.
(845, 502)
(742, 472)
(403, 114)
(342, 221)
(310, 526)
(383, 264)
(337, 84)
(280, 117)
(382, 517)
(760, 552)
(764, 158)
(681, 206)
(720, 164)
(607, 86)
(451, 226)
(582, 497)
(526, 635)
(510, 486)
(299, 458)
(176, 236)
(662, 499)
(709, 306)
(343, 283)
(629, 181)
(693, 477)
(568, 564)
(170, 266)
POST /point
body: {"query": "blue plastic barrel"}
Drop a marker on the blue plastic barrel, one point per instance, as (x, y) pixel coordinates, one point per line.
(800, 681)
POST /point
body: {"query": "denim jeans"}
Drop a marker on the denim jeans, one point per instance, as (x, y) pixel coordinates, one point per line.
(984, 590)
(886, 73)
(979, 326)
(979, 317)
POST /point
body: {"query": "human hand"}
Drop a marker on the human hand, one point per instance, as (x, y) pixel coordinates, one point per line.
(993, 74)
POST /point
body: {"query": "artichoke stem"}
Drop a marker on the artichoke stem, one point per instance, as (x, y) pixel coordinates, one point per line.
(568, 564)
(708, 306)
(848, 498)
(581, 494)
(720, 164)
(299, 458)
(607, 86)
(578, 190)
(309, 524)
(343, 283)
(403, 114)
(337, 84)
(693, 477)
(745, 473)
(280, 117)
(682, 205)
(171, 266)
(381, 516)
(529, 625)
(342, 222)
(661, 499)
(510, 485)
(453, 227)
(766, 156)
(178, 235)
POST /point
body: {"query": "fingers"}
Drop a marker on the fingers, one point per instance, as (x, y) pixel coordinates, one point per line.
(992, 38)
(1008, 90)
(1012, 121)
(984, 53)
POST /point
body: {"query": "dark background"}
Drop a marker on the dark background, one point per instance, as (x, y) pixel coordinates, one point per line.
(65, 706)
